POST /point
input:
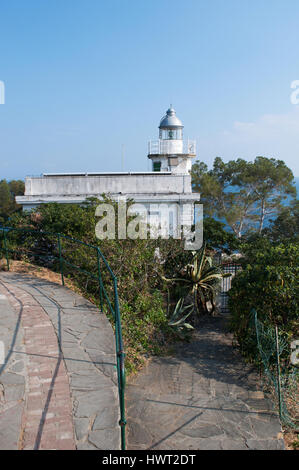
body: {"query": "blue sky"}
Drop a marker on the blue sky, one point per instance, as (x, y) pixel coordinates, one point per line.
(84, 77)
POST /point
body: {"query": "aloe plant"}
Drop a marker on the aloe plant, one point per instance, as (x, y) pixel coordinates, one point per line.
(201, 279)
(179, 317)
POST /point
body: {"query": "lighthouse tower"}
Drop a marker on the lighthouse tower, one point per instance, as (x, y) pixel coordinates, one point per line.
(170, 152)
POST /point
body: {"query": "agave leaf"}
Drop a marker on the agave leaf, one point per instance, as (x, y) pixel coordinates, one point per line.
(187, 306)
(211, 277)
(188, 326)
(179, 309)
(180, 321)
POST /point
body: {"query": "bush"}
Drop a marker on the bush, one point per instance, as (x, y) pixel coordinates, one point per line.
(142, 292)
(268, 282)
(146, 300)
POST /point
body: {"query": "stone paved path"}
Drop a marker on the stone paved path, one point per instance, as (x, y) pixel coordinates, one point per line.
(58, 385)
(203, 397)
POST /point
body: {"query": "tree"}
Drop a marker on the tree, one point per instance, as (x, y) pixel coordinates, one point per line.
(217, 237)
(5, 200)
(16, 187)
(222, 194)
(8, 191)
(272, 183)
(243, 193)
(286, 226)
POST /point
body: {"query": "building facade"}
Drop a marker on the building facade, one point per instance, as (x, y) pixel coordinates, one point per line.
(169, 182)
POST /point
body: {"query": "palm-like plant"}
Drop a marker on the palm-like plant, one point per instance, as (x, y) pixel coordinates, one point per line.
(201, 279)
(179, 317)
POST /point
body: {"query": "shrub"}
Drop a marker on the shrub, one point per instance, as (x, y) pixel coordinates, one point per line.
(268, 282)
(142, 292)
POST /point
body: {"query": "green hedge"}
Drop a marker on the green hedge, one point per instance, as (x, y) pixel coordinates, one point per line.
(268, 282)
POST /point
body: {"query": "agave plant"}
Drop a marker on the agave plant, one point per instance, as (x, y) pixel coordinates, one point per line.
(179, 317)
(201, 280)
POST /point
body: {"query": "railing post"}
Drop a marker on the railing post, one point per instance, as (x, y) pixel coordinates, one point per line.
(60, 259)
(100, 279)
(6, 250)
(278, 373)
(120, 367)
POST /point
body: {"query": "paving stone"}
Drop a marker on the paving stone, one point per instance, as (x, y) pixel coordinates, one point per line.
(204, 430)
(139, 434)
(8, 378)
(99, 342)
(259, 404)
(10, 426)
(261, 428)
(14, 392)
(91, 403)
(81, 427)
(233, 444)
(93, 392)
(89, 382)
(18, 366)
(242, 428)
(207, 444)
(86, 446)
(265, 444)
(203, 397)
(107, 439)
(107, 418)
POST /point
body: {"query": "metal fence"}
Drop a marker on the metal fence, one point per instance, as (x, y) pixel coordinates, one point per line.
(226, 284)
(282, 377)
(50, 249)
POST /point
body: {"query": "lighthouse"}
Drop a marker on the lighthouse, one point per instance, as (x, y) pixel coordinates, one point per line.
(170, 152)
(167, 184)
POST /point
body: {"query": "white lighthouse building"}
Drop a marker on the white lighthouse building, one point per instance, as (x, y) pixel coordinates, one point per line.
(170, 152)
(169, 182)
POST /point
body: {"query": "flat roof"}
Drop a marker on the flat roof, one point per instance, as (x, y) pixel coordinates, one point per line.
(106, 173)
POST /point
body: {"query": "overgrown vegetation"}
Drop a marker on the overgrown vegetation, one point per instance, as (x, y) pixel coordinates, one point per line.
(267, 282)
(8, 191)
(145, 298)
(200, 280)
(269, 279)
(244, 194)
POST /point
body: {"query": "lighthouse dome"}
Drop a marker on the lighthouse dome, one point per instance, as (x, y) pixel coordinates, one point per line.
(170, 120)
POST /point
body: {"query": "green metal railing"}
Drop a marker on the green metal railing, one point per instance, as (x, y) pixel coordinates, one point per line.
(280, 375)
(17, 241)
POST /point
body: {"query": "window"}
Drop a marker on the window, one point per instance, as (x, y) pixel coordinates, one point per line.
(157, 166)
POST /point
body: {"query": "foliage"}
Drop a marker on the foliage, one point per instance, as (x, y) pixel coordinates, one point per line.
(8, 191)
(286, 226)
(268, 282)
(179, 317)
(243, 193)
(217, 237)
(142, 293)
(200, 278)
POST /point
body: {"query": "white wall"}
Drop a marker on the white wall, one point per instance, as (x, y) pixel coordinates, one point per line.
(111, 183)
